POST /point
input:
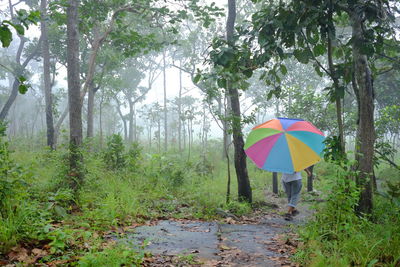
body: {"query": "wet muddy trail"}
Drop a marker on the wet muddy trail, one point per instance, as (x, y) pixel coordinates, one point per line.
(264, 239)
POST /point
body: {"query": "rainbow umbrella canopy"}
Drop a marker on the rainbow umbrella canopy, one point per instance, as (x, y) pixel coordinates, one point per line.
(285, 145)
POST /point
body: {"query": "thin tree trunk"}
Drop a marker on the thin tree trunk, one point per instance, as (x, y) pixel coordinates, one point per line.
(244, 189)
(180, 108)
(90, 111)
(100, 120)
(228, 185)
(122, 118)
(159, 135)
(130, 136)
(275, 183)
(335, 80)
(165, 103)
(365, 137)
(46, 75)
(310, 179)
(134, 125)
(74, 95)
(189, 142)
(184, 134)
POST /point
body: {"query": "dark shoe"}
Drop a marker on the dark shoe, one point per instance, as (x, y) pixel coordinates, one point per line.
(295, 212)
(288, 217)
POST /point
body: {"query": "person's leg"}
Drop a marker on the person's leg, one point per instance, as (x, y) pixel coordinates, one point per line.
(288, 190)
(295, 194)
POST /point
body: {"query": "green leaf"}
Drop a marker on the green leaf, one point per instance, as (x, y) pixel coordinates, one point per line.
(283, 69)
(303, 56)
(318, 70)
(197, 78)
(221, 83)
(319, 50)
(5, 35)
(22, 88)
(60, 211)
(19, 28)
(248, 73)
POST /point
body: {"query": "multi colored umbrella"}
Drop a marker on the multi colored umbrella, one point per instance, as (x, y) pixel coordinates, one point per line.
(285, 145)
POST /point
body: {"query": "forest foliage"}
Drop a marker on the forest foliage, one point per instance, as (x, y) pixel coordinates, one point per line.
(159, 99)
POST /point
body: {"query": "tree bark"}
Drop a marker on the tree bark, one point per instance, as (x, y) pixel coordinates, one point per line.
(90, 111)
(101, 119)
(130, 136)
(165, 103)
(336, 87)
(310, 179)
(365, 137)
(275, 183)
(180, 108)
(122, 118)
(244, 189)
(46, 75)
(74, 95)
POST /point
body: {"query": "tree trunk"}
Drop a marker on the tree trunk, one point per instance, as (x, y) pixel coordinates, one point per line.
(189, 142)
(180, 108)
(365, 137)
(130, 136)
(165, 104)
(336, 86)
(101, 119)
(224, 131)
(275, 183)
(310, 179)
(46, 75)
(135, 134)
(159, 135)
(184, 134)
(90, 109)
(244, 189)
(122, 118)
(74, 95)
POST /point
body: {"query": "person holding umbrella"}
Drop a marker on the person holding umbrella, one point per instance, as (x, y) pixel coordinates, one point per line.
(292, 184)
(287, 146)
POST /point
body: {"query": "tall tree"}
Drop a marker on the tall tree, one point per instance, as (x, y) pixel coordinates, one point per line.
(46, 75)
(244, 189)
(74, 95)
(364, 90)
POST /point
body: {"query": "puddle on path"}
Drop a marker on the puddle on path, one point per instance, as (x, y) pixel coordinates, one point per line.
(179, 237)
(211, 242)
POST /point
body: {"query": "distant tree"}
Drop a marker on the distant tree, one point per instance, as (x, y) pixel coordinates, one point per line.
(19, 21)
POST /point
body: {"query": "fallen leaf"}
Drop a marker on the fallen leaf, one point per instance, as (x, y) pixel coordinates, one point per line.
(18, 254)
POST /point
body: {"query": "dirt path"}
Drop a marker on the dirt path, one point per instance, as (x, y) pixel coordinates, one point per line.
(264, 239)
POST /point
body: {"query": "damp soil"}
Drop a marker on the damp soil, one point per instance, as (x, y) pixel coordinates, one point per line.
(264, 239)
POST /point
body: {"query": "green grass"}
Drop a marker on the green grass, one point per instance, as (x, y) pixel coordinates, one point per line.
(160, 186)
(167, 186)
(339, 238)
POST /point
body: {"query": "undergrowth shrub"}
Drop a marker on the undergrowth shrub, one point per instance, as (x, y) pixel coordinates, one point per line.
(20, 218)
(119, 255)
(337, 237)
(114, 154)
